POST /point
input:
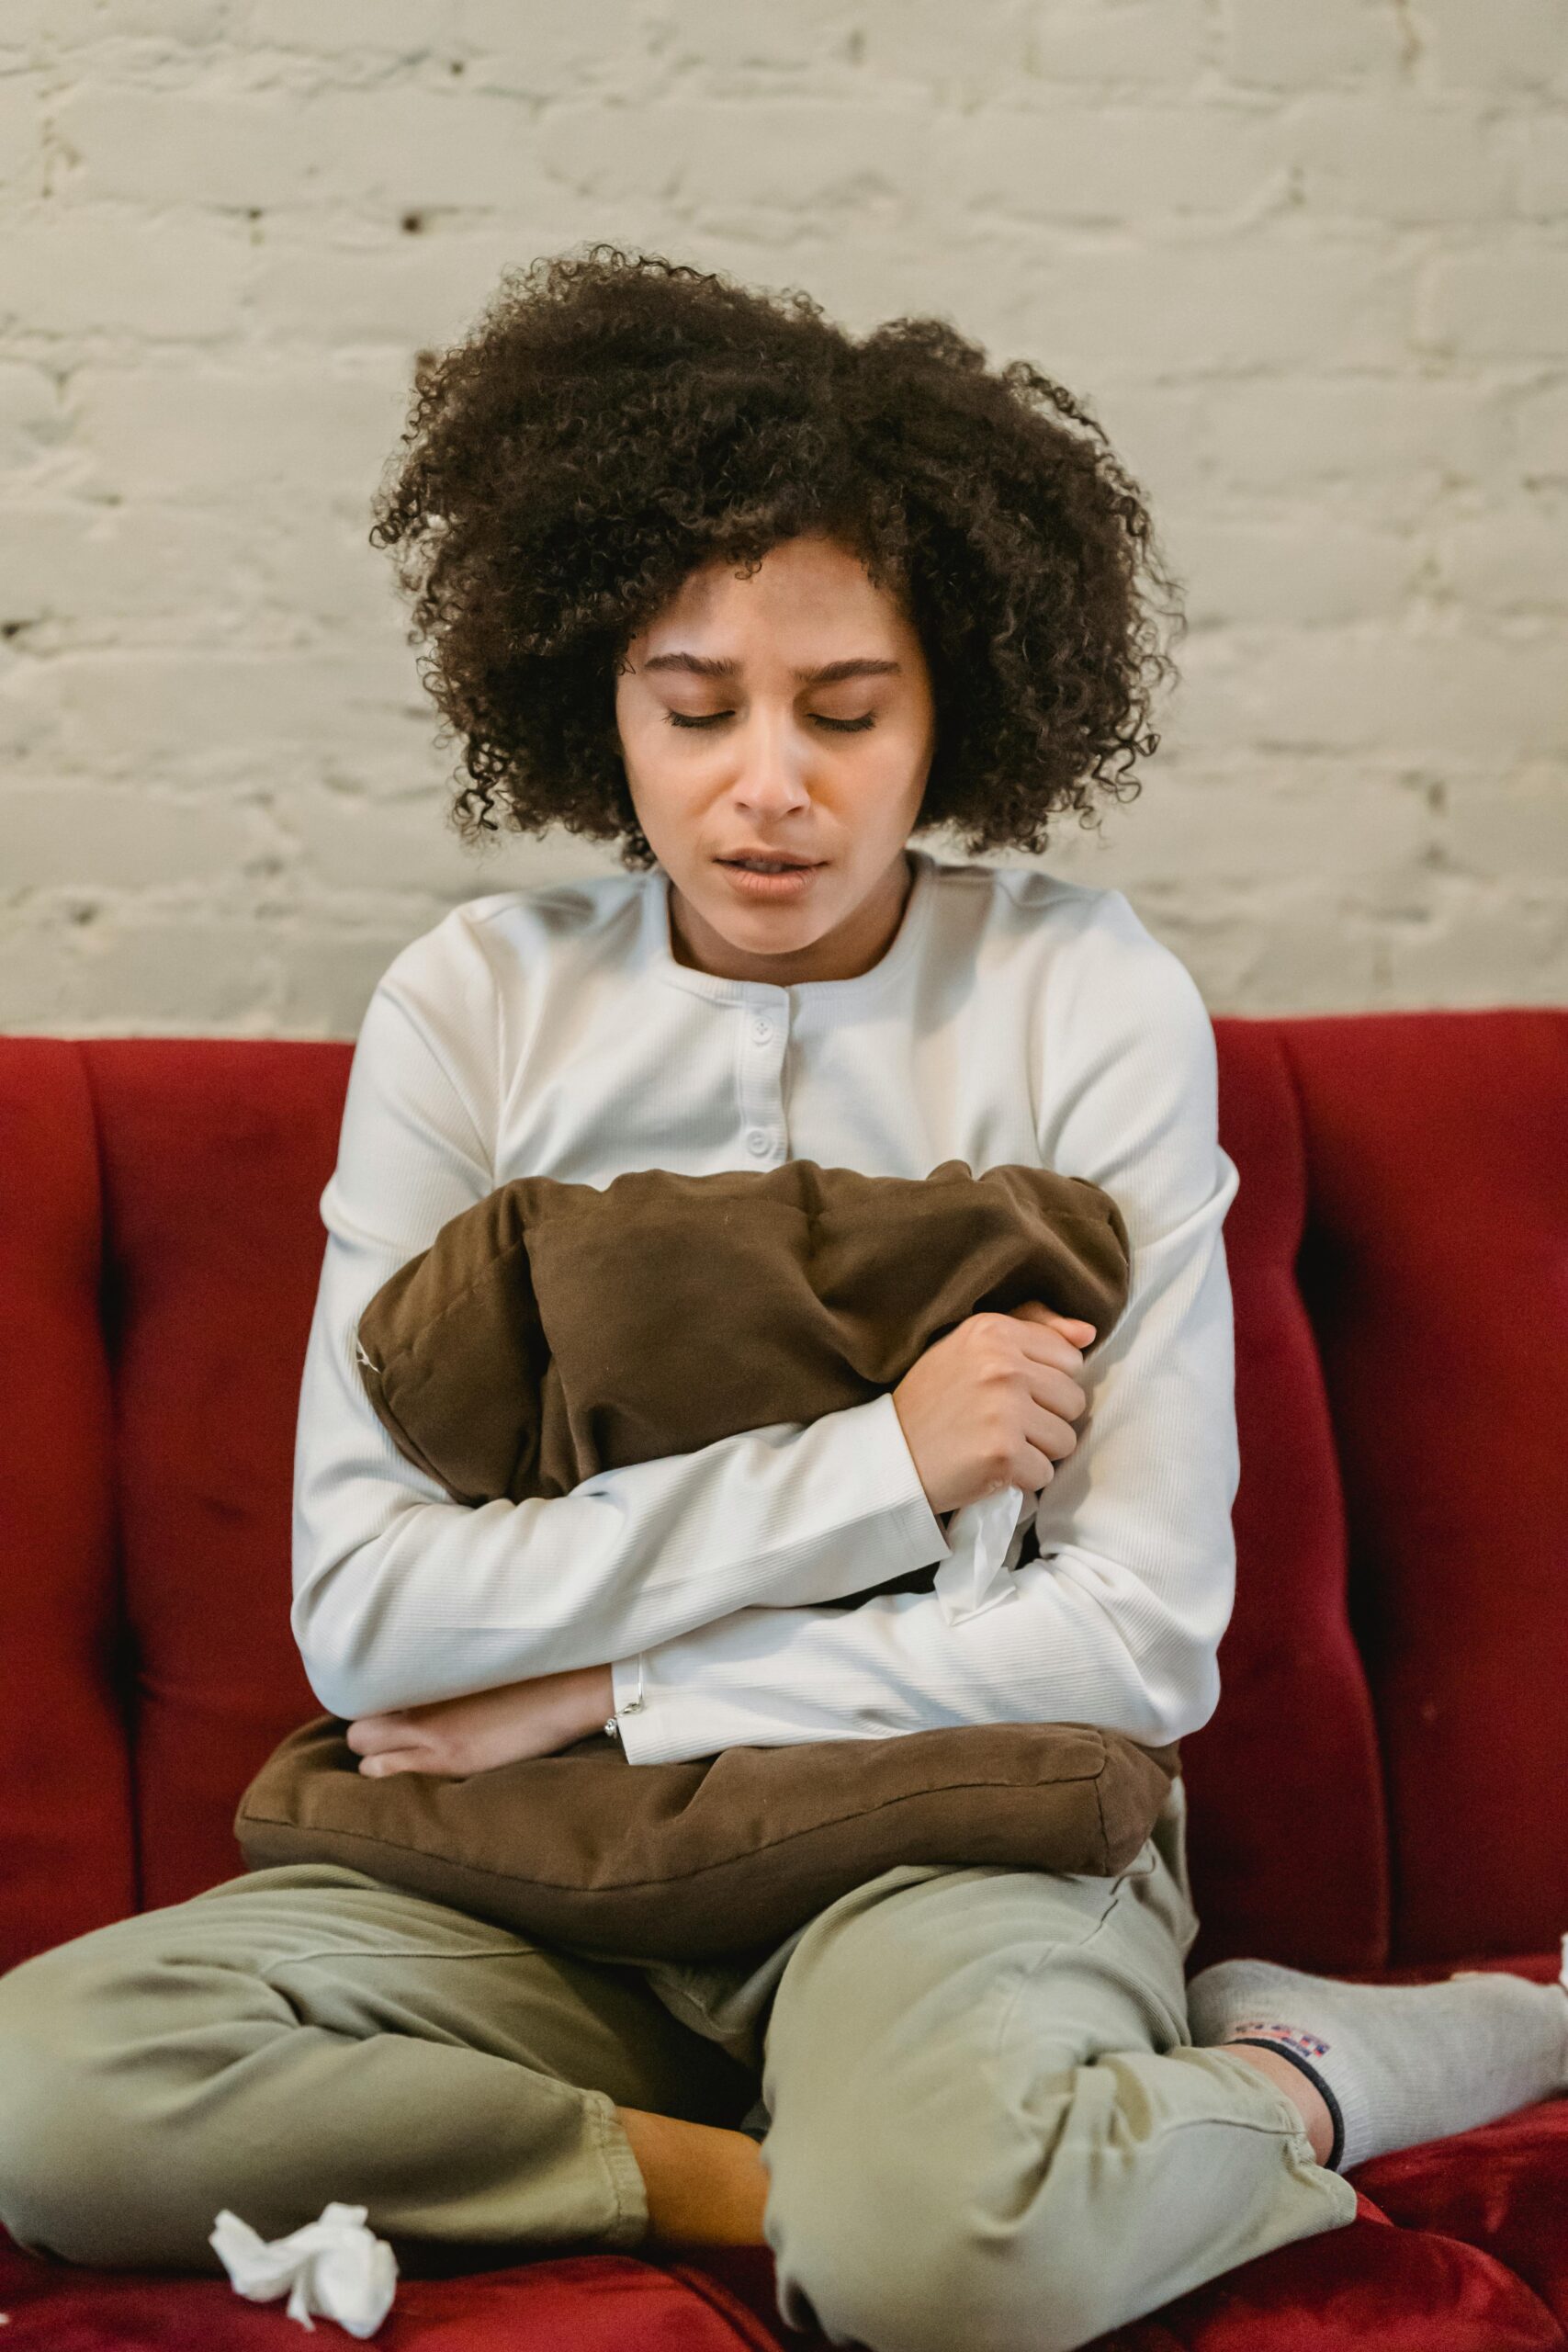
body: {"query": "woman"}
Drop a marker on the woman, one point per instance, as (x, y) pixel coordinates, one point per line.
(708, 577)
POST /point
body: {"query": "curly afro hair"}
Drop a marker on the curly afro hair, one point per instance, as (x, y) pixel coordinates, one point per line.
(617, 420)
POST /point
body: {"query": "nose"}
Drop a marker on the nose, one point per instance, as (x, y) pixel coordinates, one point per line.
(771, 776)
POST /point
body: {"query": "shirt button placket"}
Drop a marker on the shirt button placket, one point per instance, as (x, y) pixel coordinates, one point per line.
(760, 1087)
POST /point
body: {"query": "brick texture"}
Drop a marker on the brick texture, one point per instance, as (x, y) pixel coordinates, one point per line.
(1308, 264)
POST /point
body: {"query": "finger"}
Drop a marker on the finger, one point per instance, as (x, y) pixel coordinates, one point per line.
(377, 1768)
(1043, 1343)
(1073, 1328)
(1039, 1311)
(1051, 1435)
(1059, 1392)
(1036, 1471)
(368, 1734)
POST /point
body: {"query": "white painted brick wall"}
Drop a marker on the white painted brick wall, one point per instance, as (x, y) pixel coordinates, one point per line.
(1309, 262)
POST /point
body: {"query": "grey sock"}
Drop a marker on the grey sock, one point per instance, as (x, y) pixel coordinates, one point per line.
(1395, 2062)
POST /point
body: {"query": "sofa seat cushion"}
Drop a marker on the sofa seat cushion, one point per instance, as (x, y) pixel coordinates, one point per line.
(1503, 2187)
(1484, 2274)
(587, 2302)
(1372, 2283)
(1369, 2284)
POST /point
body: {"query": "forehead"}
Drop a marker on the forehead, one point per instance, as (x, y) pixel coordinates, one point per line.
(798, 608)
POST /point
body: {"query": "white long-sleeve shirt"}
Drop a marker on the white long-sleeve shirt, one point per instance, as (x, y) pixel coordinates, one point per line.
(1015, 1018)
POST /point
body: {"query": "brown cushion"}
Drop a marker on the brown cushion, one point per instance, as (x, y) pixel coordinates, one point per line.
(554, 1329)
(675, 1862)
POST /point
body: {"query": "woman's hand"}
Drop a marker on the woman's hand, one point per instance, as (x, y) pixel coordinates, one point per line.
(487, 1727)
(993, 1402)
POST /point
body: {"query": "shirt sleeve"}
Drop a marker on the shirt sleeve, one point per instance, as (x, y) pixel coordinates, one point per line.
(403, 1597)
(1118, 1622)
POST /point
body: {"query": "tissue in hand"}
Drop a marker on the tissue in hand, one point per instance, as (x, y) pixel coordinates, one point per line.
(987, 1538)
(334, 2265)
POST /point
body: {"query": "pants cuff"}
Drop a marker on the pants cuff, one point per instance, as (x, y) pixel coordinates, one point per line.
(627, 2187)
(1283, 2050)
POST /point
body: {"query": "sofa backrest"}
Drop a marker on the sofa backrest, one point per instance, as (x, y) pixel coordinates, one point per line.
(1384, 1781)
(1435, 1273)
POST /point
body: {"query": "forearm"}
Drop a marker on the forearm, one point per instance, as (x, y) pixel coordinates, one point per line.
(486, 1728)
(402, 1599)
(1051, 1654)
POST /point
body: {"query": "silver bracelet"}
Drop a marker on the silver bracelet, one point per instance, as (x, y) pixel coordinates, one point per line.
(612, 1727)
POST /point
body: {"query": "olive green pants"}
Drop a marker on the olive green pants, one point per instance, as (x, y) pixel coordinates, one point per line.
(988, 2120)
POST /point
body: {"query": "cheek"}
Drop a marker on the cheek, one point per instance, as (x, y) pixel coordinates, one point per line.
(668, 782)
(901, 755)
(645, 743)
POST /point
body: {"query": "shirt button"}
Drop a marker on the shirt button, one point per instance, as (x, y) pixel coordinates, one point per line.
(757, 1142)
(762, 1030)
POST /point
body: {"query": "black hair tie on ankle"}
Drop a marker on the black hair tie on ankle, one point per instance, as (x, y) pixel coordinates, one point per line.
(1255, 2041)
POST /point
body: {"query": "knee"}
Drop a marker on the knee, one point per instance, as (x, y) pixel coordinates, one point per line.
(71, 2161)
(905, 2244)
(41, 2105)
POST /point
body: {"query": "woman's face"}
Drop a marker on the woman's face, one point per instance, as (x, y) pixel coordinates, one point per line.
(786, 715)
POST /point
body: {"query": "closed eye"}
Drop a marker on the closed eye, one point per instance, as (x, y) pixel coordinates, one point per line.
(716, 718)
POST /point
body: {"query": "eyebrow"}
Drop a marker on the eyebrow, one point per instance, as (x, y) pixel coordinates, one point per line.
(705, 665)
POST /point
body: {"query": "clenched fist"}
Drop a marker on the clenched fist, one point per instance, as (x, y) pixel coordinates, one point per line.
(992, 1403)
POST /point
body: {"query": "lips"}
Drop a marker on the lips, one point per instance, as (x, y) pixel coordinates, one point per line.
(766, 857)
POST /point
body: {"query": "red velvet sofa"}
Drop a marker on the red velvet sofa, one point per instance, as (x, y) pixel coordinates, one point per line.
(1383, 1792)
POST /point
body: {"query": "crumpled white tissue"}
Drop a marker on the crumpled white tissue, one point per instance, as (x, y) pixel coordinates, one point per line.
(334, 2266)
(986, 1539)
